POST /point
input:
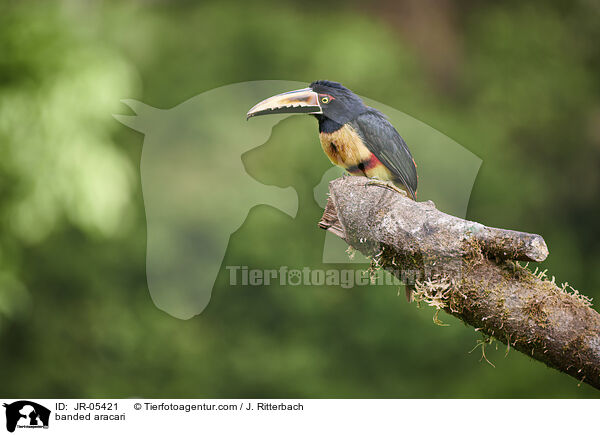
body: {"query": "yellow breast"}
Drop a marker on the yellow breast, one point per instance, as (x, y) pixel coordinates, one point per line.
(344, 147)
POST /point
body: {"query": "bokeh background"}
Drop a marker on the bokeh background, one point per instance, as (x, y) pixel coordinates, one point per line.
(516, 84)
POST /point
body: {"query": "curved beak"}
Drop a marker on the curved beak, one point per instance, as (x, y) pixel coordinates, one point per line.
(300, 101)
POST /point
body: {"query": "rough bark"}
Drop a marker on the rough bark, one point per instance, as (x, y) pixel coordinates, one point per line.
(470, 271)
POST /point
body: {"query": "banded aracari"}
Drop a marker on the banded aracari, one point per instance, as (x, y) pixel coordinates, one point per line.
(354, 136)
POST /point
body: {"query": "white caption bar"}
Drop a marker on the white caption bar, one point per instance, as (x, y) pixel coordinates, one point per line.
(272, 416)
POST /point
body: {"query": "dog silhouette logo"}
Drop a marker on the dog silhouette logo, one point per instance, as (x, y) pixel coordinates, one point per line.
(197, 192)
(26, 414)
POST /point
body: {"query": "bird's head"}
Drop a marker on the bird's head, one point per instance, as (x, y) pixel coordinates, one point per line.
(322, 98)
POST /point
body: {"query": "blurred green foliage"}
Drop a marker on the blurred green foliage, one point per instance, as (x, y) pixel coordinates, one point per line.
(520, 90)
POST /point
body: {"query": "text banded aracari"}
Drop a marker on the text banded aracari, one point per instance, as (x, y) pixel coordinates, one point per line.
(354, 136)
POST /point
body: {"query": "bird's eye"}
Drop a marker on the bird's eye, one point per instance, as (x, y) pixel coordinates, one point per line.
(324, 100)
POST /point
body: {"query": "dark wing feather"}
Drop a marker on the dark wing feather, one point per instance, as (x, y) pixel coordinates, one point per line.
(382, 139)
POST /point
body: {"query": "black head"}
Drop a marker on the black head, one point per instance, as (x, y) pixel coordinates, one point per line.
(338, 103)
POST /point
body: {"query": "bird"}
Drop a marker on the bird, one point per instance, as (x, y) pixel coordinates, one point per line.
(354, 136)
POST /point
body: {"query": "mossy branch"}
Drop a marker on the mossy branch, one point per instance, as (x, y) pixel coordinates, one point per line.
(470, 271)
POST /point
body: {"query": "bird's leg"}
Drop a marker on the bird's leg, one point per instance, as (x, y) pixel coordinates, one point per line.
(386, 185)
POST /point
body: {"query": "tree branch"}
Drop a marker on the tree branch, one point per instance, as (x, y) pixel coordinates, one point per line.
(469, 271)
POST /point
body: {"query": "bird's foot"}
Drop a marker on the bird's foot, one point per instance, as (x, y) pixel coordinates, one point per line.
(386, 185)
